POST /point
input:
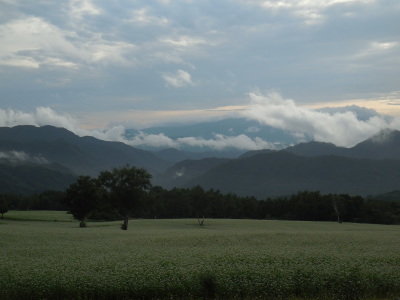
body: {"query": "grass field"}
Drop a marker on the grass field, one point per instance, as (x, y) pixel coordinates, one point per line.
(37, 215)
(176, 259)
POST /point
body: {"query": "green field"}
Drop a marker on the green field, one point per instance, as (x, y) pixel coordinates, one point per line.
(177, 259)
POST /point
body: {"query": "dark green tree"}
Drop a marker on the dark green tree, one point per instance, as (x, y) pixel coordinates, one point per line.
(82, 197)
(125, 189)
(4, 205)
(197, 197)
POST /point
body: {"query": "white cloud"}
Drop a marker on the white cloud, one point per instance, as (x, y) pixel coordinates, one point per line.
(31, 42)
(311, 11)
(152, 140)
(82, 8)
(341, 128)
(220, 142)
(20, 62)
(42, 116)
(21, 156)
(46, 116)
(178, 79)
(362, 113)
(109, 50)
(185, 41)
(376, 48)
(99, 50)
(142, 17)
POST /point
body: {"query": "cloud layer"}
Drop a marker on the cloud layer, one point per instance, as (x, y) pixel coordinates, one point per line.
(91, 56)
(341, 127)
(46, 116)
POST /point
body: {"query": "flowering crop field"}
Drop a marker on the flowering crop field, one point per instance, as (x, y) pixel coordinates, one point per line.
(177, 259)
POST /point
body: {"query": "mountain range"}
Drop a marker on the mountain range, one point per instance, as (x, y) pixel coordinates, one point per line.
(370, 167)
(82, 155)
(33, 159)
(59, 156)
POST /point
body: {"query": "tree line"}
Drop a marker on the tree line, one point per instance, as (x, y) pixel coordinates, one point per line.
(126, 192)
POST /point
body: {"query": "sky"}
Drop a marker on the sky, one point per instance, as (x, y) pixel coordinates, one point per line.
(97, 65)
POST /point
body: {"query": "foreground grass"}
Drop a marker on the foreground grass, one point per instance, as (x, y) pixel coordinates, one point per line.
(39, 215)
(177, 259)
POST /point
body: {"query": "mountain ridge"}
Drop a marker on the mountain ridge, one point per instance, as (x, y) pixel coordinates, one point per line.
(369, 167)
(383, 145)
(321, 160)
(83, 155)
(282, 173)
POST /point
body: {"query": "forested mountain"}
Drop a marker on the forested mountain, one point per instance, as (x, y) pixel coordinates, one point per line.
(371, 167)
(282, 173)
(34, 159)
(186, 171)
(82, 155)
(384, 145)
(30, 178)
(313, 148)
(173, 155)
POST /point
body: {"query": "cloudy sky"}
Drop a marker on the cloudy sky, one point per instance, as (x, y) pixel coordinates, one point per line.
(103, 63)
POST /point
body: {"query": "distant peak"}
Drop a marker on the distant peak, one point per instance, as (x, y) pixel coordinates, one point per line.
(384, 135)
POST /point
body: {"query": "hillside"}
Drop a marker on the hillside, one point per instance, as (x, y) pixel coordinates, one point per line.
(313, 148)
(371, 167)
(33, 158)
(281, 173)
(29, 178)
(174, 155)
(186, 171)
(383, 145)
(82, 155)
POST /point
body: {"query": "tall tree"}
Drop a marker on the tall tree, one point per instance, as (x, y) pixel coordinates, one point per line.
(200, 202)
(125, 187)
(82, 197)
(4, 205)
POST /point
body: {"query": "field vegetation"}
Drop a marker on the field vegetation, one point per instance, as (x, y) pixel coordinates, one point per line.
(46, 256)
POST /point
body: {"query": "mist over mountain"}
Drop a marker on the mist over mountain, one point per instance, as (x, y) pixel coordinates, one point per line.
(370, 167)
(82, 155)
(172, 155)
(229, 135)
(383, 145)
(269, 121)
(230, 126)
(185, 171)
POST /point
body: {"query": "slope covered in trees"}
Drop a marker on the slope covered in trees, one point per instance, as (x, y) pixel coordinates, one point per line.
(82, 155)
(26, 179)
(370, 167)
(281, 173)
